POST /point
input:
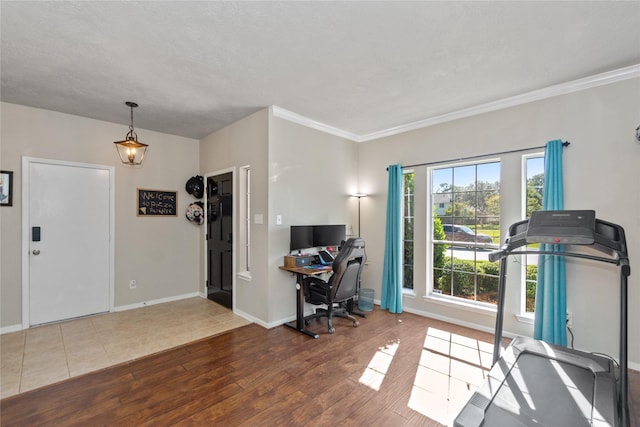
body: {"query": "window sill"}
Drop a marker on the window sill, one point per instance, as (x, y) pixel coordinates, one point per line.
(527, 318)
(245, 275)
(461, 305)
(409, 293)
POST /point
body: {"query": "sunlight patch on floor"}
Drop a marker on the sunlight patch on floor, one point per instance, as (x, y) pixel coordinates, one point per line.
(374, 373)
(450, 369)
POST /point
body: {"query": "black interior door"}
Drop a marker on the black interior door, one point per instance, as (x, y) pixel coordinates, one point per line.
(220, 238)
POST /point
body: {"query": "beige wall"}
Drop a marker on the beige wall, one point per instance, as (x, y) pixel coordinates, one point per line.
(306, 176)
(601, 173)
(311, 177)
(160, 253)
(299, 173)
(240, 144)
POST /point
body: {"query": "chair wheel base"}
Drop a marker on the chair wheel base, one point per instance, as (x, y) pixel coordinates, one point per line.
(332, 330)
(356, 324)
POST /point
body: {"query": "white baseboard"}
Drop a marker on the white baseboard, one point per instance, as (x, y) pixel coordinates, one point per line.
(286, 320)
(243, 314)
(12, 328)
(252, 318)
(156, 301)
(455, 321)
(19, 327)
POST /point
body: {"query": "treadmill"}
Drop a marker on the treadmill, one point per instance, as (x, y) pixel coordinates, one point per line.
(535, 383)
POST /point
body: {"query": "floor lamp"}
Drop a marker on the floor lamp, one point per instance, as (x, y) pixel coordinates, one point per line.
(359, 196)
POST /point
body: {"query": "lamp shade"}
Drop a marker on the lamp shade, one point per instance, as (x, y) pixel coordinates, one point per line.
(130, 150)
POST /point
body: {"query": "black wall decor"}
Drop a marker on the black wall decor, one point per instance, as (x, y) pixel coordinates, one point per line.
(157, 203)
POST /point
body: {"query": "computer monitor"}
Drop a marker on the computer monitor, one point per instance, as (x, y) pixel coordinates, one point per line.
(328, 235)
(301, 237)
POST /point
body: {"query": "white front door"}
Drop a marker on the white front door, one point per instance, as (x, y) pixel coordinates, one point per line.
(69, 255)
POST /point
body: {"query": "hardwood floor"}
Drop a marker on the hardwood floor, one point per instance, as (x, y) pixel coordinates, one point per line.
(43, 355)
(393, 370)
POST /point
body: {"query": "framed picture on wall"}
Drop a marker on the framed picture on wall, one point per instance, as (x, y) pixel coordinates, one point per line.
(157, 203)
(6, 188)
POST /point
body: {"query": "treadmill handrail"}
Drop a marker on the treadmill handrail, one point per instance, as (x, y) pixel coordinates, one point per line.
(608, 238)
(497, 255)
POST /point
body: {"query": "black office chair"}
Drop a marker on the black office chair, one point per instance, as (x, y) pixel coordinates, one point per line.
(339, 291)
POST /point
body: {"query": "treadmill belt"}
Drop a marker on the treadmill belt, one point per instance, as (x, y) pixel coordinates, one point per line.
(537, 384)
(544, 391)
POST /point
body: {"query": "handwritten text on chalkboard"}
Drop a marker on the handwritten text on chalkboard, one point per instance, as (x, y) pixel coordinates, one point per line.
(157, 202)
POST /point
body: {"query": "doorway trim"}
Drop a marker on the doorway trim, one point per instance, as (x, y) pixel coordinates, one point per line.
(26, 162)
(234, 213)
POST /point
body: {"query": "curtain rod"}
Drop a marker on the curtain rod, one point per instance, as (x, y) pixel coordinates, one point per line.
(564, 144)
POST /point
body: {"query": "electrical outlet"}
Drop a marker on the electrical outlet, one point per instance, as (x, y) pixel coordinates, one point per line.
(569, 319)
(132, 284)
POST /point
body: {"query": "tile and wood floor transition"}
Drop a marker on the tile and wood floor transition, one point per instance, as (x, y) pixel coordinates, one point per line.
(393, 370)
(47, 354)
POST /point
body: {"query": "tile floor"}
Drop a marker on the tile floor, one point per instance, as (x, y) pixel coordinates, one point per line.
(47, 354)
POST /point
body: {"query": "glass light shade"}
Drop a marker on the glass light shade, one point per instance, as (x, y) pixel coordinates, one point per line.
(131, 152)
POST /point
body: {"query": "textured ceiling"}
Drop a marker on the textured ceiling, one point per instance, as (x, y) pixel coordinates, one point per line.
(362, 67)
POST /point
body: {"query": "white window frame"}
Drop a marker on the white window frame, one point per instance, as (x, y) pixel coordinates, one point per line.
(438, 298)
(244, 255)
(409, 291)
(525, 316)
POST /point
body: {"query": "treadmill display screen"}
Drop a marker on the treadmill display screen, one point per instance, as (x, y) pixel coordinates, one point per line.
(562, 227)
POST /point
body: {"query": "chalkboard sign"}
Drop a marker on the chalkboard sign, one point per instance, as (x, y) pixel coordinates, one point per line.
(157, 203)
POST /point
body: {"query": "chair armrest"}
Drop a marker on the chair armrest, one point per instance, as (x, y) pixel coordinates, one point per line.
(315, 281)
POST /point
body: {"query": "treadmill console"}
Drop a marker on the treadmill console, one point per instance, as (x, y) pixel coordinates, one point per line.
(562, 227)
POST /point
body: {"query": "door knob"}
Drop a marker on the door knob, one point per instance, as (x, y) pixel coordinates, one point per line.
(36, 252)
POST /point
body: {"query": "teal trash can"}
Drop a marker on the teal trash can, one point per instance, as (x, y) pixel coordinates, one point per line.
(365, 299)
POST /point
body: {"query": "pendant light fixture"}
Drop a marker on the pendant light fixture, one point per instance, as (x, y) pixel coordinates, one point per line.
(131, 151)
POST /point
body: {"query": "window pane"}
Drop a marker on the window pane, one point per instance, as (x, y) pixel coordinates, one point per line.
(489, 175)
(464, 177)
(464, 206)
(535, 184)
(408, 225)
(442, 180)
(488, 282)
(470, 227)
(408, 265)
(533, 202)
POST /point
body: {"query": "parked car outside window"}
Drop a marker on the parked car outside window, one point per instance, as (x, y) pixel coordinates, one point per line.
(462, 233)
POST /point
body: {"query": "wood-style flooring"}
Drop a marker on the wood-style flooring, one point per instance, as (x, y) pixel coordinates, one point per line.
(43, 355)
(393, 370)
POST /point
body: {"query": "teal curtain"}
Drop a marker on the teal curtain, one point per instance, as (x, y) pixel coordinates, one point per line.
(551, 288)
(392, 268)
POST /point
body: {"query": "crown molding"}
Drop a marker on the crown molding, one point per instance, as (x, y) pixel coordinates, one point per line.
(313, 124)
(601, 79)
